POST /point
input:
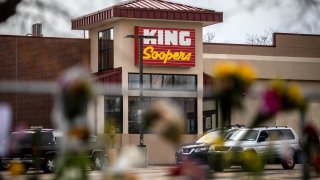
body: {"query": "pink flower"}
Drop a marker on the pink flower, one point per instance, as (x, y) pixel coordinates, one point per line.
(271, 102)
(317, 163)
(189, 170)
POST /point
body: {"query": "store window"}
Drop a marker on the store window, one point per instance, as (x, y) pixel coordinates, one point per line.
(164, 82)
(209, 114)
(134, 80)
(105, 54)
(182, 82)
(113, 112)
(188, 106)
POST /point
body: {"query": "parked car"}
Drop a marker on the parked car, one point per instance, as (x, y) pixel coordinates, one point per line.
(197, 151)
(95, 151)
(38, 148)
(32, 147)
(271, 144)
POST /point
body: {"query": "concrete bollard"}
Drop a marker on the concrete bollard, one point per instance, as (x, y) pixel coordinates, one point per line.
(112, 155)
(144, 153)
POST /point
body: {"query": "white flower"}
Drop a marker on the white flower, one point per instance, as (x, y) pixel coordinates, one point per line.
(130, 157)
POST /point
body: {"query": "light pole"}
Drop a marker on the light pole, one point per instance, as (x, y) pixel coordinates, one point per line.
(141, 38)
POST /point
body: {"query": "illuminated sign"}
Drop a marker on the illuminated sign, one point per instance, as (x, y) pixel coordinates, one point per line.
(172, 47)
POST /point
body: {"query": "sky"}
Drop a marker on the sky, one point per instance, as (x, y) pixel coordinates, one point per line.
(241, 18)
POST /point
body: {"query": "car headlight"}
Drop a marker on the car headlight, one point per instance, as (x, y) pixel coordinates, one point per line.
(201, 149)
(179, 150)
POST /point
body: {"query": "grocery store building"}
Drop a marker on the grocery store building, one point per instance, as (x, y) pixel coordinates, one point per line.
(177, 64)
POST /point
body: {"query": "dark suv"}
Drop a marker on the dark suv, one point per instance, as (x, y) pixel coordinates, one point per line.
(197, 151)
(32, 147)
(38, 148)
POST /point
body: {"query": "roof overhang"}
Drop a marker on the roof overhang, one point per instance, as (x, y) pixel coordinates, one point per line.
(206, 17)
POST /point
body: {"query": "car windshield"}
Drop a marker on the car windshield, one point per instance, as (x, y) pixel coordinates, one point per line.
(209, 138)
(22, 138)
(244, 135)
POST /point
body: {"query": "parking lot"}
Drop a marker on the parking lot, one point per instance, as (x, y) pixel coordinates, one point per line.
(161, 172)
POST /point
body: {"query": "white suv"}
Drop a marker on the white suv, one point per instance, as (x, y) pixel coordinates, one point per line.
(272, 144)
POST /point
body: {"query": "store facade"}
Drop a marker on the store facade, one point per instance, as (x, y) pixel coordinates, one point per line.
(173, 64)
(177, 65)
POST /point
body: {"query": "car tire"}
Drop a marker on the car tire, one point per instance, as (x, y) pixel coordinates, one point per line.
(49, 164)
(97, 161)
(289, 162)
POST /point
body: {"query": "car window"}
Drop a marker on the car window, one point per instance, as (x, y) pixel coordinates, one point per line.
(22, 138)
(264, 134)
(47, 138)
(58, 135)
(209, 138)
(286, 134)
(229, 134)
(244, 135)
(274, 135)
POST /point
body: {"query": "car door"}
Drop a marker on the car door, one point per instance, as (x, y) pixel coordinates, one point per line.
(275, 142)
(289, 139)
(262, 145)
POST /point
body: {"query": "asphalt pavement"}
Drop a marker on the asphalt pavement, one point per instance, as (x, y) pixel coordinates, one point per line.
(272, 172)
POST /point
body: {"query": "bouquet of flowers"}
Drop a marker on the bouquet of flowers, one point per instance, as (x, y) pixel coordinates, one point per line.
(76, 90)
(279, 97)
(231, 81)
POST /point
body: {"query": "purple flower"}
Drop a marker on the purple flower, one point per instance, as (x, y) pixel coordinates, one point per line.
(271, 102)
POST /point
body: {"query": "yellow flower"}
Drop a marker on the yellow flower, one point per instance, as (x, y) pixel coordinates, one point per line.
(228, 157)
(246, 73)
(278, 86)
(218, 141)
(224, 69)
(17, 169)
(252, 161)
(294, 93)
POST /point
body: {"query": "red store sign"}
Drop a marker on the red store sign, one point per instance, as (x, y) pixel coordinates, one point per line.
(172, 47)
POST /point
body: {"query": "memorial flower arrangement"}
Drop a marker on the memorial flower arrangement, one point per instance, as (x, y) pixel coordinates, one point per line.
(232, 80)
(76, 90)
(279, 96)
(165, 118)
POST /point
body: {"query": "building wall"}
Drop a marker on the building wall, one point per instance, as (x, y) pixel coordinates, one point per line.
(289, 45)
(25, 58)
(124, 57)
(292, 57)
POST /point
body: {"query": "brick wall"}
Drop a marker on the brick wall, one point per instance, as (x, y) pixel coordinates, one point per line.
(41, 59)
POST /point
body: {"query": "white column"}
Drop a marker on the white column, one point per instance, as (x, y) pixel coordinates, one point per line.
(125, 114)
(100, 114)
(200, 103)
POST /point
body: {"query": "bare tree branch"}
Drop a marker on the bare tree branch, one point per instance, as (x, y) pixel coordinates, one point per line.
(7, 9)
(260, 39)
(209, 37)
